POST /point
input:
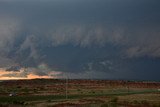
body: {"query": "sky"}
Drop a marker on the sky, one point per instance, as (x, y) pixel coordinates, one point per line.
(82, 39)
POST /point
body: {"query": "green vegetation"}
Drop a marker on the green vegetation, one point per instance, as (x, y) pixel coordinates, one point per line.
(57, 97)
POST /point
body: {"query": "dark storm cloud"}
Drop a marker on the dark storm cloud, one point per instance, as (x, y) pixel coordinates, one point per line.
(14, 68)
(84, 36)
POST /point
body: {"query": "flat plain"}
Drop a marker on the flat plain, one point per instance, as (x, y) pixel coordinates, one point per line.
(79, 93)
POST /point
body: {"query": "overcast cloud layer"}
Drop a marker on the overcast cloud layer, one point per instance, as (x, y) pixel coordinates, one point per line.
(109, 39)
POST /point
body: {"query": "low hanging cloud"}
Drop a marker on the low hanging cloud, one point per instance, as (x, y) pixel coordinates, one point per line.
(42, 71)
(30, 52)
(9, 28)
(146, 43)
(9, 31)
(13, 68)
(49, 37)
(137, 41)
(79, 34)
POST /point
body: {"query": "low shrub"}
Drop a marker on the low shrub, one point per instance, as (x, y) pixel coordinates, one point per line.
(105, 105)
(114, 99)
(18, 102)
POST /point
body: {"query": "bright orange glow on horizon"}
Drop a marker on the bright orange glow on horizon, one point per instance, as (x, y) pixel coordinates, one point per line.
(29, 76)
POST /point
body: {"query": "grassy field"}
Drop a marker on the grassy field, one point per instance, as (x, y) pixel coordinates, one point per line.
(80, 93)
